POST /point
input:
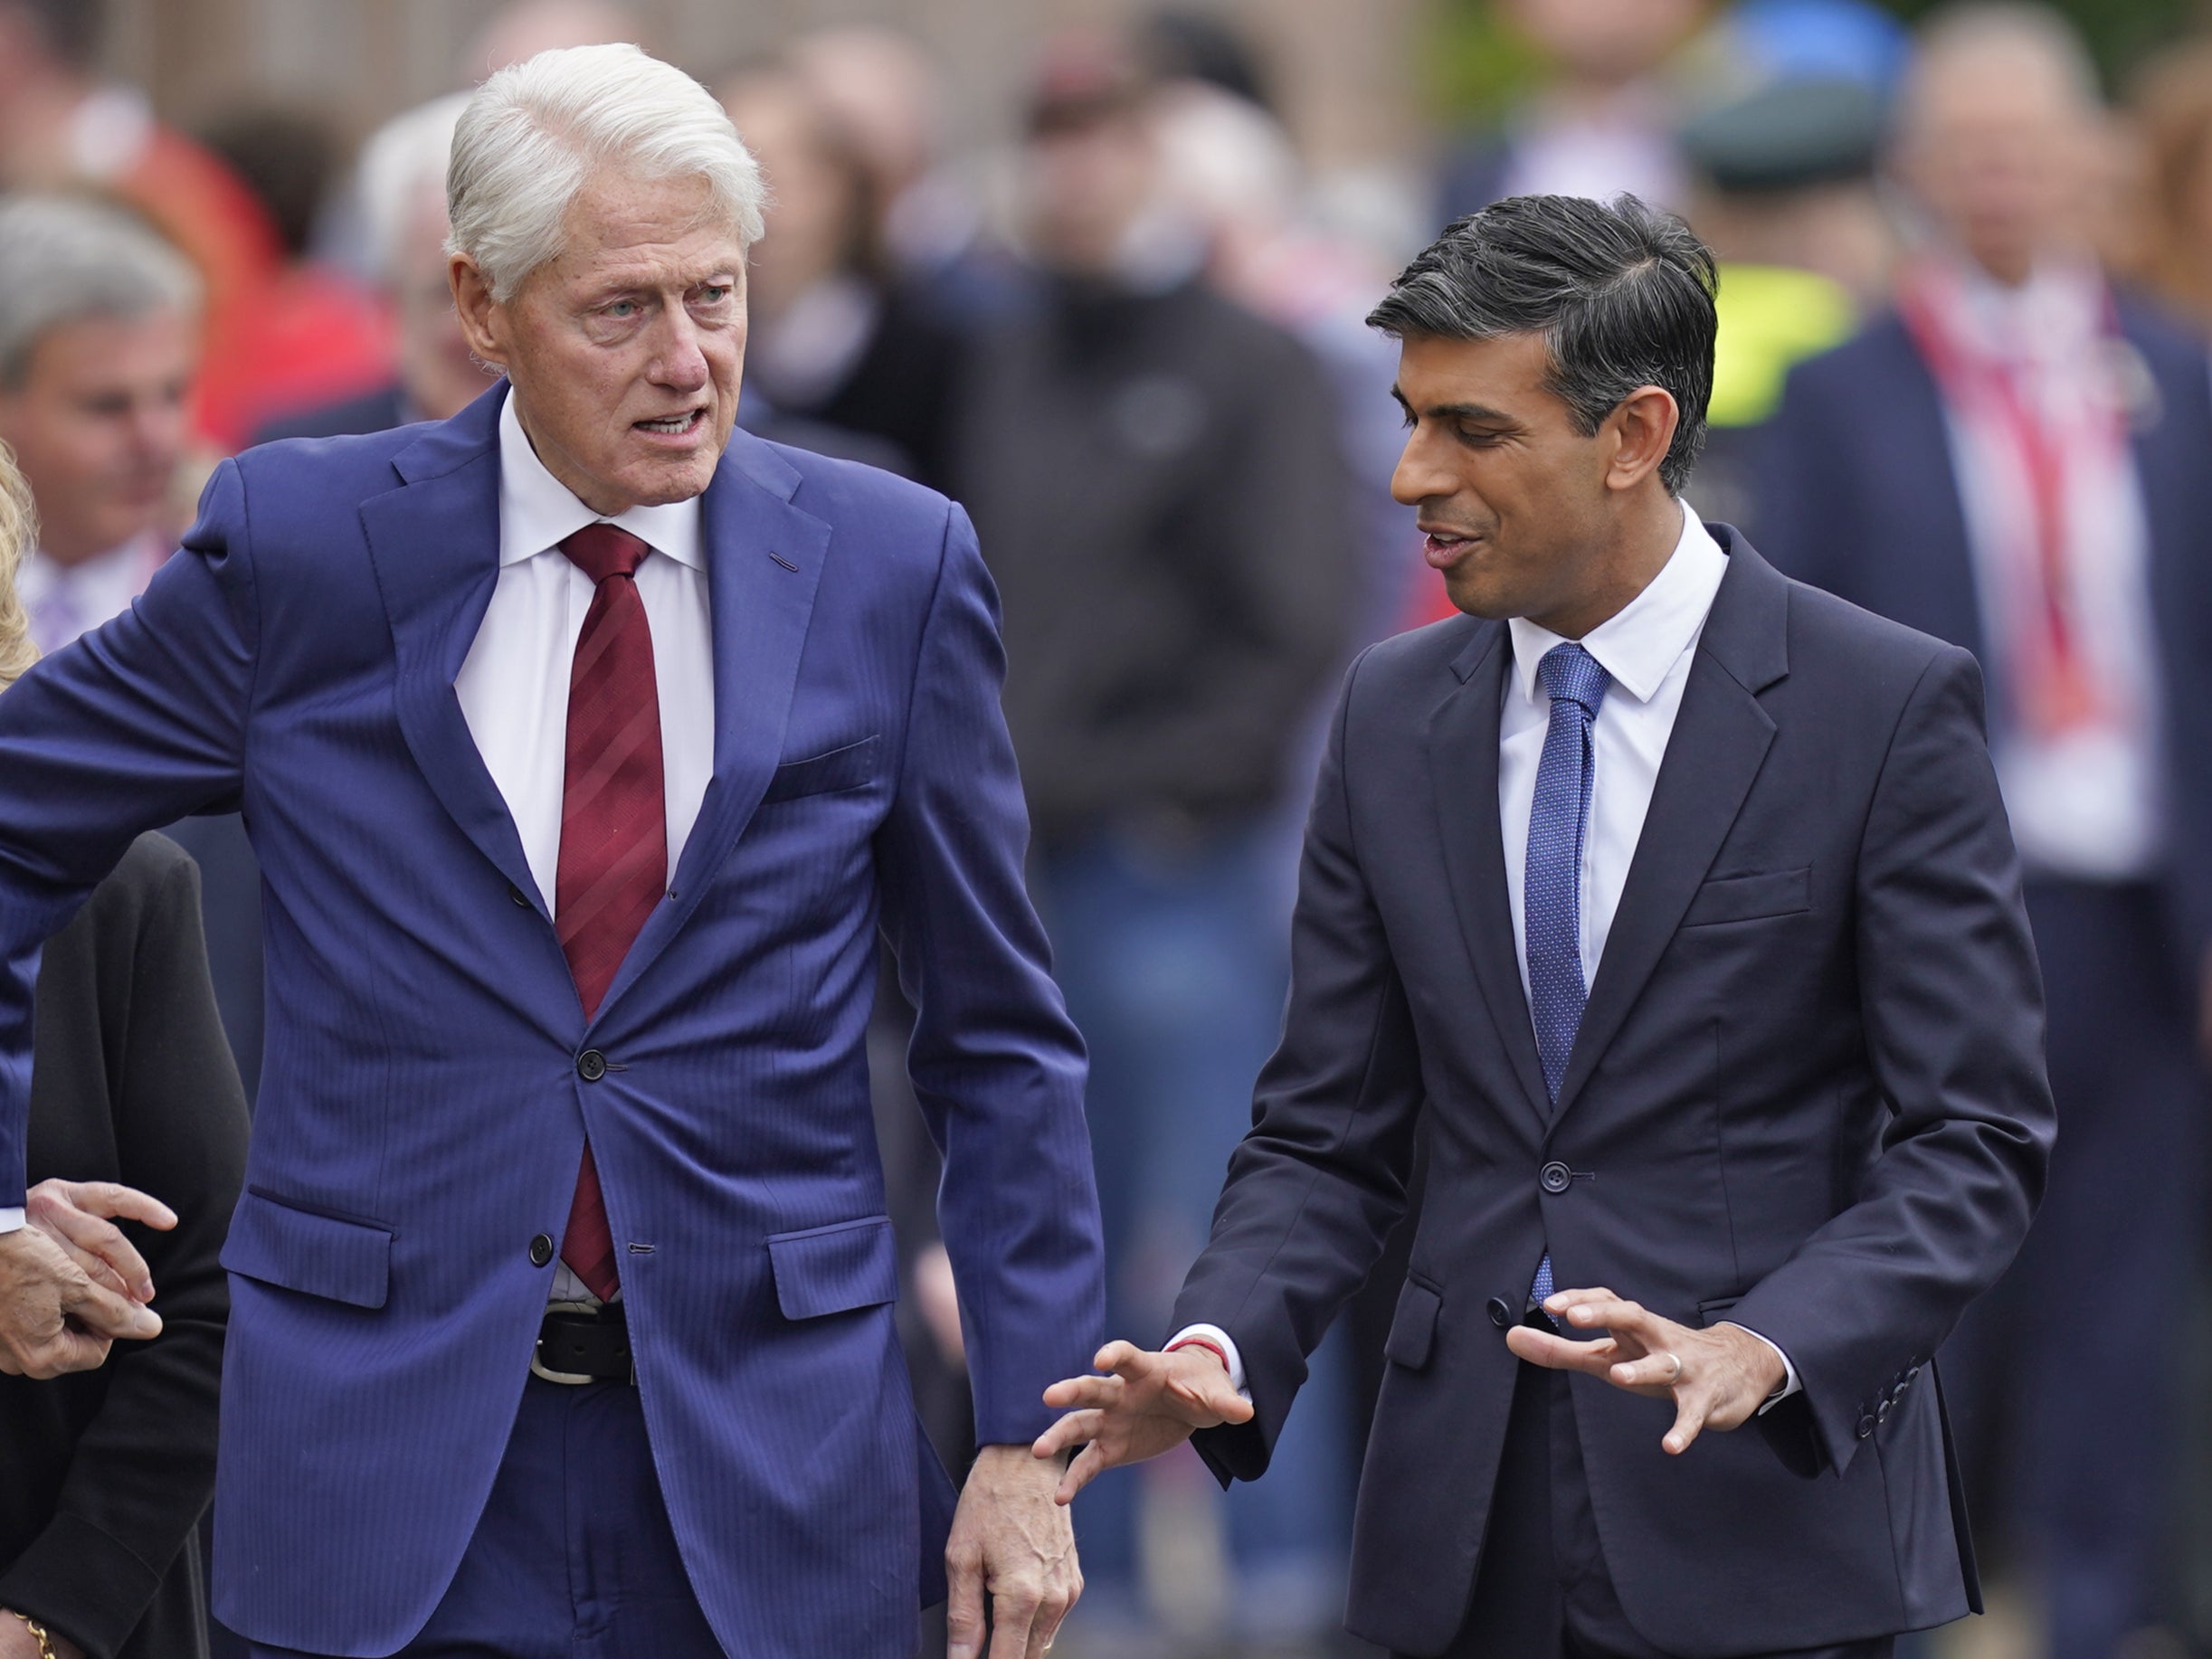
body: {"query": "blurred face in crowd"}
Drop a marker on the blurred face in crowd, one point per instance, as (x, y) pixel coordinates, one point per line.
(1998, 143)
(1087, 183)
(435, 367)
(1609, 40)
(99, 425)
(818, 206)
(1523, 513)
(626, 351)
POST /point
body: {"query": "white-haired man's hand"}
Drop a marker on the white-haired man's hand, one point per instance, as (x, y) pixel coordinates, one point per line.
(1013, 1549)
(71, 1283)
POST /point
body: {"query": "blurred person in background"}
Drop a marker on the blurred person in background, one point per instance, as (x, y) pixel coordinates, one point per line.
(104, 1473)
(2015, 459)
(99, 342)
(1786, 199)
(314, 332)
(400, 184)
(1232, 170)
(1601, 123)
(835, 338)
(61, 124)
(1157, 479)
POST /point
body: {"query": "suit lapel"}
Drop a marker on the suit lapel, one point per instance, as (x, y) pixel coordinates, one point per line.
(1720, 741)
(764, 564)
(1463, 756)
(434, 543)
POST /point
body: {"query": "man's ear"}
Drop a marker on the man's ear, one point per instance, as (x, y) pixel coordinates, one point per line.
(1644, 425)
(483, 319)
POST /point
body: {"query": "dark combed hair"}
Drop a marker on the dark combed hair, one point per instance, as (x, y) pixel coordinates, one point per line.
(1622, 294)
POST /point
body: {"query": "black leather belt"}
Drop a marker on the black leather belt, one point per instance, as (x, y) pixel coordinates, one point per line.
(582, 1341)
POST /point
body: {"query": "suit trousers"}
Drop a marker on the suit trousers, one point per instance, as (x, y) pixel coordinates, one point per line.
(574, 1557)
(1541, 1590)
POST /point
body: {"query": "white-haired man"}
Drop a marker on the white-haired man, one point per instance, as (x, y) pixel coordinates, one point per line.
(586, 745)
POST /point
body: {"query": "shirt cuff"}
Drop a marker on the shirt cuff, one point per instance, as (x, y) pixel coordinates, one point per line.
(11, 1220)
(1791, 1385)
(1221, 1339)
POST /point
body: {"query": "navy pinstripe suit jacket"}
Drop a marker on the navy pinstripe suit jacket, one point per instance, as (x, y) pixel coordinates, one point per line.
(422, 1107)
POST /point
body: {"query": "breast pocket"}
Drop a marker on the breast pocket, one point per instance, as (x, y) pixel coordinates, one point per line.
(1751, 898)
(852, 766)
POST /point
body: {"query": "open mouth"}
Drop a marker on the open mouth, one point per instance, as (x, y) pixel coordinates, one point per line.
(675, 425)
(1443, 549)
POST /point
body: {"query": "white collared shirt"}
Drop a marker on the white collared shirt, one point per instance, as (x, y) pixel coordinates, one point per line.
(1646, 648)
(514, 686)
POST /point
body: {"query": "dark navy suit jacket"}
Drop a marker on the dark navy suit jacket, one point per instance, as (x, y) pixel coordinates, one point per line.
(1857, 495)
(1808, 1095)
(423, 1106)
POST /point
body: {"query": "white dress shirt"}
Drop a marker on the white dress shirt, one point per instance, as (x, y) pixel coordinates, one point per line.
(514, 686)
(1647, 649)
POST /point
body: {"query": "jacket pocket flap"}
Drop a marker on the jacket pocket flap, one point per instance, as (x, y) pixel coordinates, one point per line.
(1413, 1331)
(1748, 898)
(308, 1251)
(1715, 1313)
(845, 768)
(835, 1269)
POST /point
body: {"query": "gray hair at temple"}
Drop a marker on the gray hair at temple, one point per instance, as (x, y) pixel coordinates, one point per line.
(66, 258)
(533, 134)
(1621, 293)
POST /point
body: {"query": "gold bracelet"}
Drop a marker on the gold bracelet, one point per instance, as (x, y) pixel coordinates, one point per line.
(39, 1634)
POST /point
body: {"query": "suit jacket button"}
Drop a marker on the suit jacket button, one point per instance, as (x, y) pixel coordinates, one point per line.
(1556, 1178)
(541, 1250)
(519, 895)
(590, 1065)
(1865, 1426)
(1501, 1314)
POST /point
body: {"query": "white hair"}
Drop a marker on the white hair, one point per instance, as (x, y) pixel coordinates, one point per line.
(403, 161)
(531, 136)
(65, 258)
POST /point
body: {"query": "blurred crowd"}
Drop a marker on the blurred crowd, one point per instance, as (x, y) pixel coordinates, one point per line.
(1958, 276)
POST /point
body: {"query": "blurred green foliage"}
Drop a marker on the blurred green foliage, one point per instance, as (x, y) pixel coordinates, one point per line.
(1476, 62)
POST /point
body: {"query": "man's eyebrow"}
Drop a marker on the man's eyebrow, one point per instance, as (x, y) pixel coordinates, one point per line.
(1481, 414)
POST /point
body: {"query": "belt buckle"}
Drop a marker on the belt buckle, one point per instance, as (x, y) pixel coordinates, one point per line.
(571, 1379)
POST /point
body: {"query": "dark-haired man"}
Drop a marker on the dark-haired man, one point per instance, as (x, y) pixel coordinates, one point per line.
(1675, 901)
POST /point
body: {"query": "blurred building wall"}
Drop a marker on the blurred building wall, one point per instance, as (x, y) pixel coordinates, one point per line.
(1343, 69)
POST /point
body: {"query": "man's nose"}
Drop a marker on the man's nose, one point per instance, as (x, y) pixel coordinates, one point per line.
(679, 363)
(1420, 477)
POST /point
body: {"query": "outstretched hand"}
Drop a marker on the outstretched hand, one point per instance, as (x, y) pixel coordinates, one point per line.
(1145, 1404)
(1716, 1378)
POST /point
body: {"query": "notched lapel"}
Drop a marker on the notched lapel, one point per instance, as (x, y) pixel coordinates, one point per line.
(1720, 741)
(763, 565)
(1463, 758)
(434, 543)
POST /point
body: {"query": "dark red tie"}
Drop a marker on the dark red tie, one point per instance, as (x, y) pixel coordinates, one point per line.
(614, 835)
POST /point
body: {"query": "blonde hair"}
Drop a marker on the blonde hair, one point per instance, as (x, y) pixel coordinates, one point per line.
(18, 532)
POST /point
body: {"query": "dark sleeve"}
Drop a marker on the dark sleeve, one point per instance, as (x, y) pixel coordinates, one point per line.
(145, 1466)
(140, 723)
(1278, 520)
(1951, 998)
(1805, 526)
(997, 1066)
(1315, 1187)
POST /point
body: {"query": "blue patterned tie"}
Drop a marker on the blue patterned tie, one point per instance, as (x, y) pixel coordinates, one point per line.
(1551, 885)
